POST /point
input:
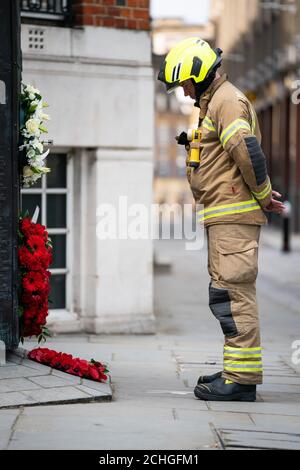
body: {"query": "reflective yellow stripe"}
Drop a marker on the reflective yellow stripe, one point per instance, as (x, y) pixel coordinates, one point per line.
(208, 127)
(241, 211)
(264, 192)
(244, 363)
(253, 118)
(228, 209)
(242, 356)
(234, 369)
(208, 124)
(243, 366)
(230, 134)
(242, 353)
(227, 206)
(232, 129)
(229, 348)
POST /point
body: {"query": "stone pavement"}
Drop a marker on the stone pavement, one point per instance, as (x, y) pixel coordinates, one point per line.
(153, 377)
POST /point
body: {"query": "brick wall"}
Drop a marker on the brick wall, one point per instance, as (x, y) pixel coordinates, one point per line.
(124, 14)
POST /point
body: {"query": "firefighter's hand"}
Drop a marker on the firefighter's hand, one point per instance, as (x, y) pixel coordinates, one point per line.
(182, 139)
(275, 206)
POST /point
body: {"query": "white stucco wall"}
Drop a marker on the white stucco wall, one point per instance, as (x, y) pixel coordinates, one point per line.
(99, 84)
(92, 95)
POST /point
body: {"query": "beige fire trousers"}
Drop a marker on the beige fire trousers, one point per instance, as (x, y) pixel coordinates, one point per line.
(232, 265)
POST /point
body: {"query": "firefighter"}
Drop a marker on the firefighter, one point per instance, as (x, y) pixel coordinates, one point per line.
(232, 186)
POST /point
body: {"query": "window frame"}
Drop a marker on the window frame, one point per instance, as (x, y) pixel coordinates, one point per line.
(68, 191)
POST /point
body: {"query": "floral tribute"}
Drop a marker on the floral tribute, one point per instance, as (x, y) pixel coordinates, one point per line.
(33, 117)
(91, 370)
(35, 256)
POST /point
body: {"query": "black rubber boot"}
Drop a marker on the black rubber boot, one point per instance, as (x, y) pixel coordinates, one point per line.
(207, 379)
(225, 390)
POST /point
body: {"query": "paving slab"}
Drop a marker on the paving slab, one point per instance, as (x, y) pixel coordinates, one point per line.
(282, 380)
(71, 379)
(279, 388)
(50, 381)
(15, 400)
(236, 420)
(14, 385)
(4, 438)
(273, 397)
(36, 366)
(14, 371)
(7, 418)
(232, 439)
(276, 422)
(55, 394)
(274, 408)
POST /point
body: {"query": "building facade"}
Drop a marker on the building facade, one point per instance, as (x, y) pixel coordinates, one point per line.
(261, 43)
(91, 60)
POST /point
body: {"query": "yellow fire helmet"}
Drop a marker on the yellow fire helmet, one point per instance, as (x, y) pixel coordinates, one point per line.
(192, 58)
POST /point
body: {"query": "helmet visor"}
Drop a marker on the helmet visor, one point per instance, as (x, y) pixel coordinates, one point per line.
(162, 77)
(172, 86)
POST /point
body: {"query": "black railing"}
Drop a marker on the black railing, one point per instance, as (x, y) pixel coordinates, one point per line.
(49, 10)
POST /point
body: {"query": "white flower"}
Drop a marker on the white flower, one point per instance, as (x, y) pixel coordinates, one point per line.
(37, 161)
(31, 89)
(31, 153)
(45, 170)
(27, 171)
(32, 126)
(34, 143)
(30, 180)
(39, 147)
(45, 117)
(37, 164)
(31, 96)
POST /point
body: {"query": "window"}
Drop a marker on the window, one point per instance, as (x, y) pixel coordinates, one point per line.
(51, 195)
(47, 10)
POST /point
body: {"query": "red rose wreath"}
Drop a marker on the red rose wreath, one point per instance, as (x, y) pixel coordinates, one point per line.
(71, 365)
(35, 257)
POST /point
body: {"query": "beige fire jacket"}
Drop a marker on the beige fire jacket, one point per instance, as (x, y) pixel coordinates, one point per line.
(232, 181)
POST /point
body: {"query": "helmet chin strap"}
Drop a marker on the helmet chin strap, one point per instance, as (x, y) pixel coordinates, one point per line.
(201, 88)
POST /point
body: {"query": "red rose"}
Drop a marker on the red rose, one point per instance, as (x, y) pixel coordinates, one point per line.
(83, 366)
(24, 256)
(26, 227)
(30, 313)
(66, 361)
(37, 354)
(41, 231)
(36, 242)
(34, 281)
